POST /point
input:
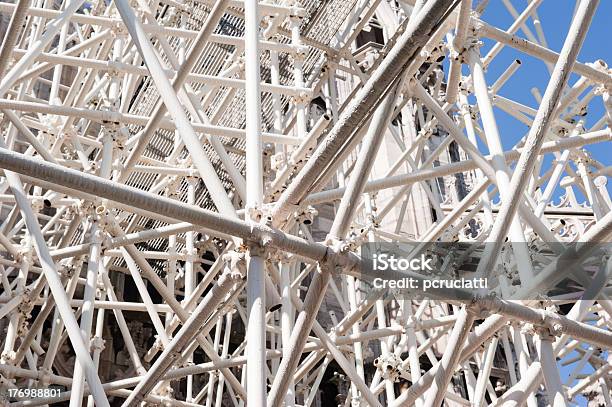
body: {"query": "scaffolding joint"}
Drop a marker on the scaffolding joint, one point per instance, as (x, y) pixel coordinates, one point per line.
(235, 261)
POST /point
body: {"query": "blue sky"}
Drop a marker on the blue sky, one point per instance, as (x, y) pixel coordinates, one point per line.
(555, 17)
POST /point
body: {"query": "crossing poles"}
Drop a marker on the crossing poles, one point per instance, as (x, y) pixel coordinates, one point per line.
(57, 289)
(51, 30)
(65, 157)
(171, 100)
(541, 123)
(359, 108)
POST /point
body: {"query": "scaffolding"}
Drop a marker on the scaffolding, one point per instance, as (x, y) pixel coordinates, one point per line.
(189, 190)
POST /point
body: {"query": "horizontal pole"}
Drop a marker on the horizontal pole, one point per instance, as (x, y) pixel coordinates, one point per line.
(109, 22)
(101, 116)
(209, 80)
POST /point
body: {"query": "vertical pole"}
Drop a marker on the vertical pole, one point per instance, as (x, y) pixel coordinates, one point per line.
(87, 311)
(276, 100)
(190, 274)
(554, 387)
(502, 172)
(256, 325)
(224, 353)
(382, 324)
(97, 341)
(298, 62)
(413, 355)
(212, 375)
(352, 285)
(57, 71)
(461, 29)
(287, 318)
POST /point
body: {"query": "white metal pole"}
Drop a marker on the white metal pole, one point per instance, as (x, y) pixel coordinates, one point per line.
(502, 172)
(550, 372)
(256, 269)
(87, 311)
